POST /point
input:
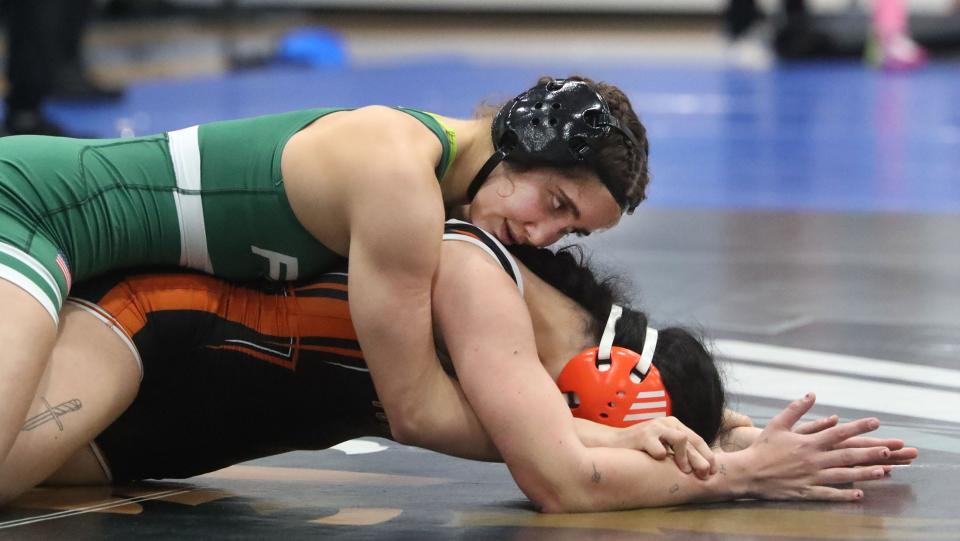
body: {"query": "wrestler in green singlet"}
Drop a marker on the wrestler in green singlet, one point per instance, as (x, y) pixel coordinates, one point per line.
(208, 197)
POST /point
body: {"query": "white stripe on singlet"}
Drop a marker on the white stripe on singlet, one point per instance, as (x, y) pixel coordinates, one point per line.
(34, 265)
(185, 155)
(98, 454)
(18, 279)
(107, 319)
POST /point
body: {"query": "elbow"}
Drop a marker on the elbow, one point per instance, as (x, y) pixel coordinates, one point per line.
(8, 496)
(551, 495)
(403, 430)
(405, 436)
(551, 505)
(411, 425)
(552, 502)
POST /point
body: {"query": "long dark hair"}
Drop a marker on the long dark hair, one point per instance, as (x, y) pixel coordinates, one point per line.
(687, 368)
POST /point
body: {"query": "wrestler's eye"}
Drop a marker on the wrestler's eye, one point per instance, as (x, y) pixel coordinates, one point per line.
(556, 202)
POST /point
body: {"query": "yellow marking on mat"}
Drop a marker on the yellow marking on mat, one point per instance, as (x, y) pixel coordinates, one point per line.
(360, 516)
(268, 507)
(732, 521)
(266, 473)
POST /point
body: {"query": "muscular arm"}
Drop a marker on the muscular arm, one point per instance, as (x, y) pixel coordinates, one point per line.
(488, 332)
(391, 313)
(362, 182)
(490, 338)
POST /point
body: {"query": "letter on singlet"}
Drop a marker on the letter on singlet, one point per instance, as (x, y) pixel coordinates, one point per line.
(278, 260)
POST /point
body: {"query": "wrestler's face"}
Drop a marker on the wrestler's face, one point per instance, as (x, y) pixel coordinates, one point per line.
(539, 206)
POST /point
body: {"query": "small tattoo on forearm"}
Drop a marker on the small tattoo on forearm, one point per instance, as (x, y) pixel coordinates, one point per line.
(596, 474)
(674, 488)
(52, 414)
(723, 469)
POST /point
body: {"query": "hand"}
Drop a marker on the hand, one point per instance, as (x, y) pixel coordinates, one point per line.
(663, 436)
(785, 465)
(741, 436)
(736, 432)
(733, 419)
(736, 439)
(899, 454)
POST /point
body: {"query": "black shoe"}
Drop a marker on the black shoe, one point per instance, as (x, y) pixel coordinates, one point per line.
(30, 122)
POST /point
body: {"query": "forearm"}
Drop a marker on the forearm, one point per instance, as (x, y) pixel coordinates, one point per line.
(424, 405)
(593, 434)
(613, 479)
(447, 424)
(454, 428)
(401, 363)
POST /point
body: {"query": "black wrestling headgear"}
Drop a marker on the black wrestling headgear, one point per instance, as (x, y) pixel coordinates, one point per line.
(557, 124)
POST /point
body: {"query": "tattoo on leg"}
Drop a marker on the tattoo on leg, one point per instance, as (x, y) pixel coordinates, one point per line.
(596, 474)
(674, 488)
(52, 414)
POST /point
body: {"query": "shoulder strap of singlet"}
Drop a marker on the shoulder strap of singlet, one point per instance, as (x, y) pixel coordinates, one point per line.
(447, 137)
(464, 231)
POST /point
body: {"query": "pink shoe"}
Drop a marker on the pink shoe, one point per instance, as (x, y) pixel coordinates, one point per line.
(896, 52)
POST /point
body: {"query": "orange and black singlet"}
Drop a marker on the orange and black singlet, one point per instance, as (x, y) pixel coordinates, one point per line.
(232, 373)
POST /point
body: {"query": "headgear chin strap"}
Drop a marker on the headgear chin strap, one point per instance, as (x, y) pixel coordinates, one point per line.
(560, 123)
(615, 386)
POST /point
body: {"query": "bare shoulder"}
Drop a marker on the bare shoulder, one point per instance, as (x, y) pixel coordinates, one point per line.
(467, 255)
(369, 163)
(377, 128)
(465, 267)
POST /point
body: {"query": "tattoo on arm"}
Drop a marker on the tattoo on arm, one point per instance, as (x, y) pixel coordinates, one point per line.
(674, 488)
(52, 414)
(596, 474)
(723, 469)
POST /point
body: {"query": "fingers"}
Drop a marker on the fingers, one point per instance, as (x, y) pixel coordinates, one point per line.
(677, 441)
(687, 456)
(839, 476)
(866, 441)
(701, 456)
(831, 494)
(655, 448)
(833, 436)
(899, 454)
(691, 452)
(845, 458)
(812, 427)
(733, 419)
(789, 416)
(703, 466)
(903, 456)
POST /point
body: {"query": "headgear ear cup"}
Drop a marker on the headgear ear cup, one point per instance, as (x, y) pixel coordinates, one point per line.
(612, 397)
(615, 386)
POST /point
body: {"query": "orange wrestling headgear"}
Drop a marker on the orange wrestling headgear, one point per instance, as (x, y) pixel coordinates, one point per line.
(615, 386)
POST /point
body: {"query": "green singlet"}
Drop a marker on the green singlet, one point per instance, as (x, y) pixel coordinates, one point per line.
(208, 197)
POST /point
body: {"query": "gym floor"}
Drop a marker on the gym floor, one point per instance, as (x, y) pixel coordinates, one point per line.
(803, 217)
